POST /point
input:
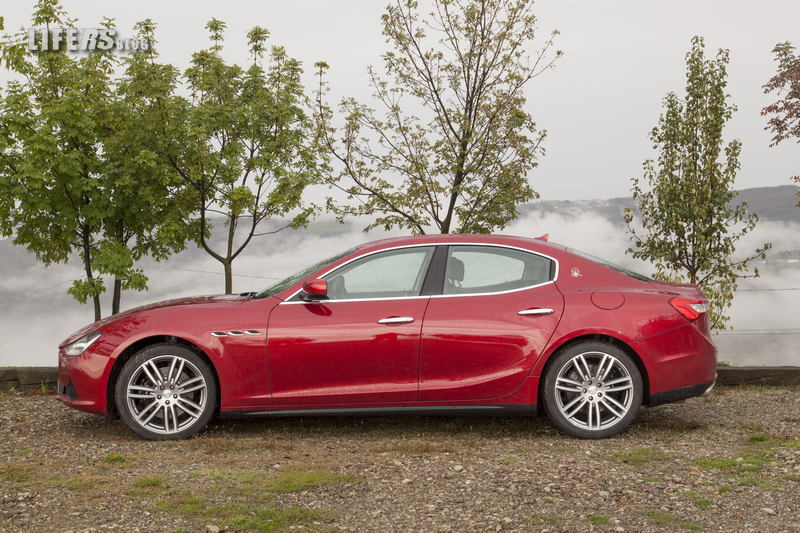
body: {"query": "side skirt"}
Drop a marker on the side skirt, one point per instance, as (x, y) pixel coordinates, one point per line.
(425, 410)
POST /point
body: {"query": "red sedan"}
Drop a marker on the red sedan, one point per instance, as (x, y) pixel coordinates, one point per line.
(429, 324)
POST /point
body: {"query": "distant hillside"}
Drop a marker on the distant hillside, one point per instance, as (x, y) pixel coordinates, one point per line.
(770, 203)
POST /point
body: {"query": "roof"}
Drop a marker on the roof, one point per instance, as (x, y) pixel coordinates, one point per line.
(435, 238)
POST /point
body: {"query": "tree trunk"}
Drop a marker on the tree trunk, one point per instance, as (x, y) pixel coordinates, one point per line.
(97, 311)
(117, 296)
(228, 264)
(87, 264)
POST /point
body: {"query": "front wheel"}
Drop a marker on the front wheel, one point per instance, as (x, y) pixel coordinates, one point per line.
(166, 392)
(592, 390)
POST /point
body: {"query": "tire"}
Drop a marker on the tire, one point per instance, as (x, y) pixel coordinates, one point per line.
(158, 406)
(592, 381)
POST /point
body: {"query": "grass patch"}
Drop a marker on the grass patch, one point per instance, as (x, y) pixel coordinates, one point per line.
(750, 463)
(547, 519)
(598, 518)
(666, 519)
(297, 481)
(148, 482)
(269, 519)
(243, 515)
(248, 482)
(699, 500)
(637, 456)
(716, 462)
(15, 473)
(773, 441)
(650, 479)
(748, 481)
(77, 483)
(115, 458)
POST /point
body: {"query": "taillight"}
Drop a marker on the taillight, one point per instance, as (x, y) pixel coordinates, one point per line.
(691, 308)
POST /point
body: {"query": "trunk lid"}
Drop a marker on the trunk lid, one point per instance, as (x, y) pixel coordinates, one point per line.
(688, 290)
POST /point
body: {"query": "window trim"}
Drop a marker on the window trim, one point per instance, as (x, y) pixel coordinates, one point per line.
(423, 272)
(553, 262)
(288, 299)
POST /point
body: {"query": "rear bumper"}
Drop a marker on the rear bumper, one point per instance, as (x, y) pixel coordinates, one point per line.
(677, 395)
(680, 363)
(81, 381)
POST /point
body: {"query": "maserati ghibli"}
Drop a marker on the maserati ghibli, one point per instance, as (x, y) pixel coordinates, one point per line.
(432, 324)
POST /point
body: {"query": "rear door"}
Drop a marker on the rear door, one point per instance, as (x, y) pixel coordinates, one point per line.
(496, 312)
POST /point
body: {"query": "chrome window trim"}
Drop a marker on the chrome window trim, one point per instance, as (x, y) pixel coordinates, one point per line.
(448, 243)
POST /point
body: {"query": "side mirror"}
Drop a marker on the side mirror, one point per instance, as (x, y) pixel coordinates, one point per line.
(315, 290)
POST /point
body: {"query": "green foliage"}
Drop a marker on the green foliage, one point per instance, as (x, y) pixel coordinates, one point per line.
(460, 160)
(240, 145)
(75, 179)
(689, 226)
(784, 122)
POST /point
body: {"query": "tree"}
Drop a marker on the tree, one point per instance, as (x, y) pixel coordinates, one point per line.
(690, 225)
(785, 120)
(66, 186)
(242, 143)
(453, 145)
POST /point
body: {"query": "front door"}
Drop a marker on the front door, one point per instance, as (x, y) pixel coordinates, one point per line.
(496, 313)
(360, 346)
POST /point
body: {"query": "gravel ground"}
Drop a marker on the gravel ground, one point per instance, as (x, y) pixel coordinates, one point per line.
(726, 462)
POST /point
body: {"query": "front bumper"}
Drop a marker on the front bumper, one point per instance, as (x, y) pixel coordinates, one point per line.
(82, 381)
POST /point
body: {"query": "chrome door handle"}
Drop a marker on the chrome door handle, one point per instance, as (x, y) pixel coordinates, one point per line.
(396, 320)
(537, 311)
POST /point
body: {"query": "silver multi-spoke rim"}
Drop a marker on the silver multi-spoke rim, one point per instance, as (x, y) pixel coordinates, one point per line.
(167, 394)
(594, 390)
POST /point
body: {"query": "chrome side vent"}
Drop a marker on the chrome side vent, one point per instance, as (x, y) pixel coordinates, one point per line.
(235, 333)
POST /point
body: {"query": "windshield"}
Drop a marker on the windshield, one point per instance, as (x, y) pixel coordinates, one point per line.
(590, 257)
(291, 280)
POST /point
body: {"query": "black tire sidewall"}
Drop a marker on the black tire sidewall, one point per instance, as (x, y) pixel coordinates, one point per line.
(120, 393)
(549, 389)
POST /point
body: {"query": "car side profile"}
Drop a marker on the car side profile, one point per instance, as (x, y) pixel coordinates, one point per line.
(428, 324)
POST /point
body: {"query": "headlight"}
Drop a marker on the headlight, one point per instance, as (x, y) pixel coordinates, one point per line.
(81, 345)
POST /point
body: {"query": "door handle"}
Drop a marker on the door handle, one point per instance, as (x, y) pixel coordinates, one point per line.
(536, 311)
(396, 320)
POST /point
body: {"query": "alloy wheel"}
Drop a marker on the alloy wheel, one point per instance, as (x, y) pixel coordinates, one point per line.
(166, 394)
(594, 390)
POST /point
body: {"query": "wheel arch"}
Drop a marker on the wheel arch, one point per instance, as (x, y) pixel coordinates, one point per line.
(135, 347)
(602, 337)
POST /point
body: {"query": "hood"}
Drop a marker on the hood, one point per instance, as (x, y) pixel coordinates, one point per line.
(177, 302)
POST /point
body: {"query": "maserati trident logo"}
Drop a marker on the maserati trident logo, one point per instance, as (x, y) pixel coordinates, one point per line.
(575, 272)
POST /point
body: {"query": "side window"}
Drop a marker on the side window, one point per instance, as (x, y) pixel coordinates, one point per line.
(389, 274)
(480, 269)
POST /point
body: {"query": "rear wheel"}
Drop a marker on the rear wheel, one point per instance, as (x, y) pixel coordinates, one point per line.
(592, 390)
(166, 392)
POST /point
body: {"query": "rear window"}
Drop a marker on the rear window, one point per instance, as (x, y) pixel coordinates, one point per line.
(627, 272)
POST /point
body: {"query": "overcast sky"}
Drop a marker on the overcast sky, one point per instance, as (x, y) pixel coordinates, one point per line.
(598, 104)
